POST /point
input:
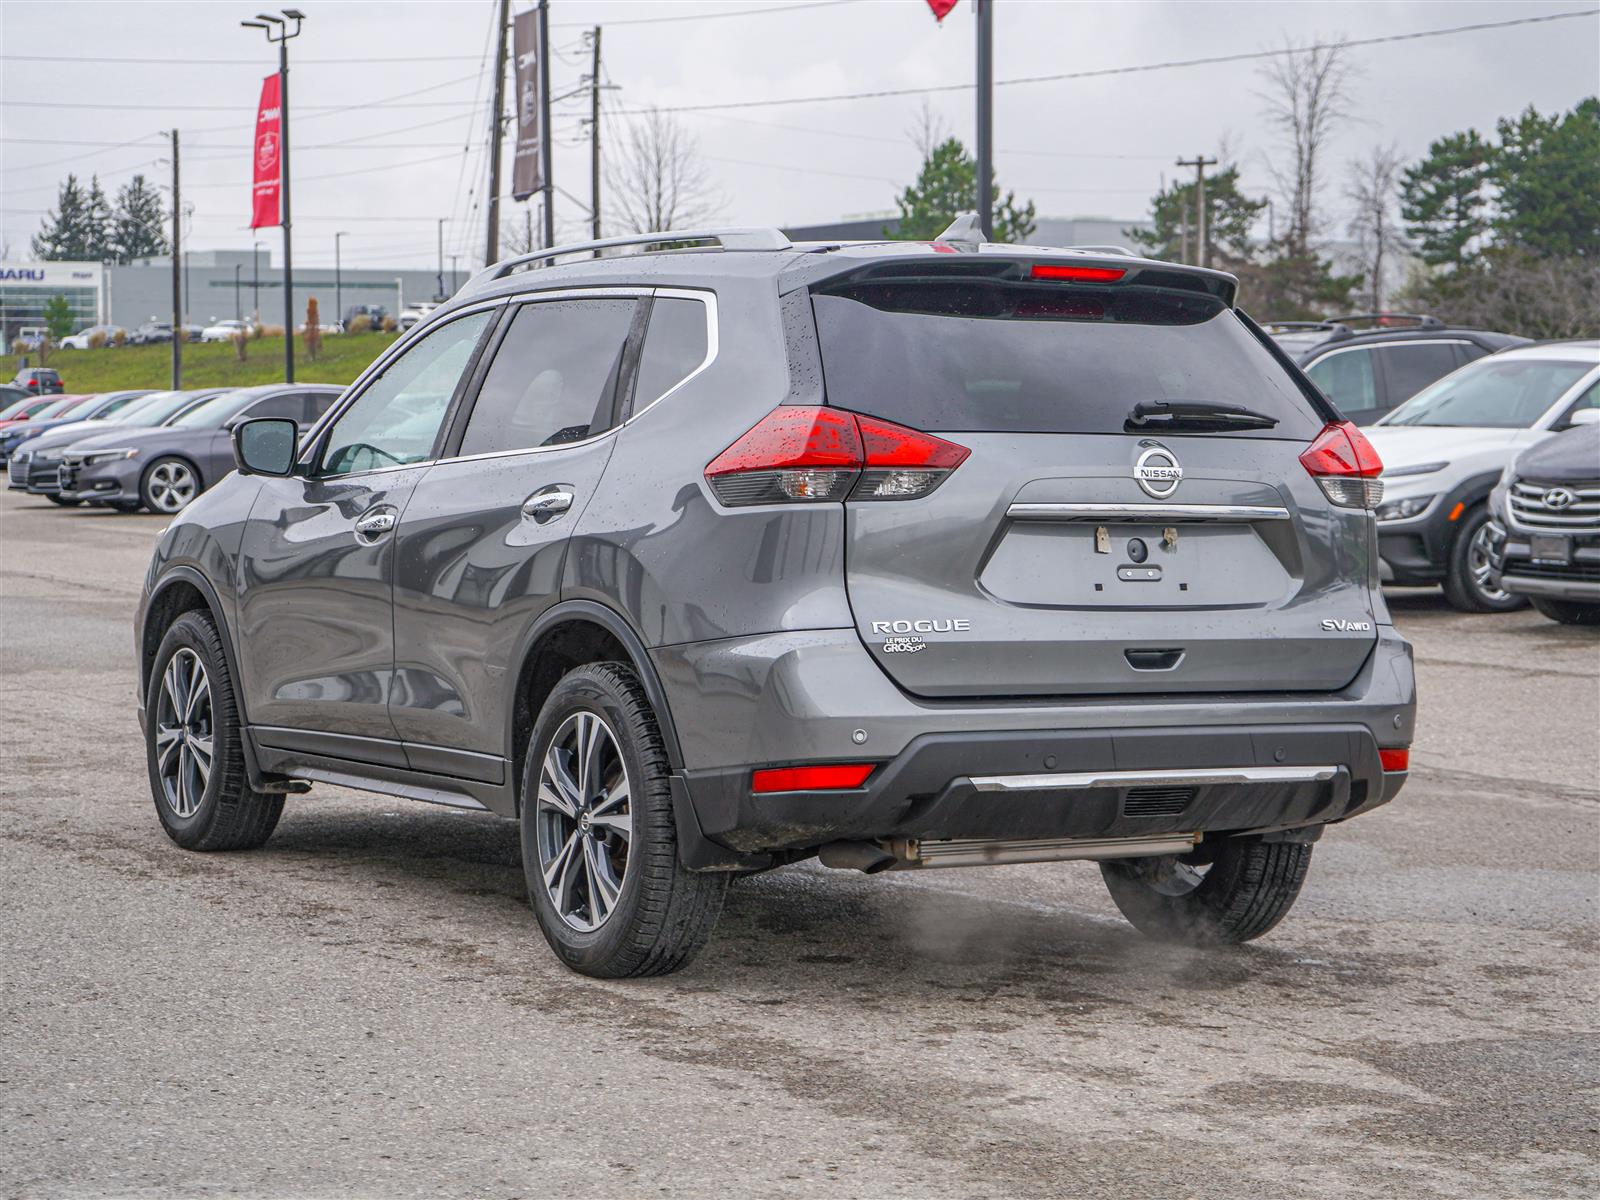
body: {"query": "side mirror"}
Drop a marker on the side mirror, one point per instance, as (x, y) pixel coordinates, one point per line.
(265, 446)
(1584, 416)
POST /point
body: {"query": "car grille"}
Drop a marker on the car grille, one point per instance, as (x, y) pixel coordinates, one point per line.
(1156, 801)
(1531, 507)
(17, 469)
(1579, 572)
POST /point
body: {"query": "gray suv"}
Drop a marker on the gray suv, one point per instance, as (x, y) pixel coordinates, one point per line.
(699, 561)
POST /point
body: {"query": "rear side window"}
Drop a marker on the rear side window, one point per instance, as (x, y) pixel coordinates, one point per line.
(554, 377)
(1025, 357)
(1346, 378)
(1408, 368)
(674, 347)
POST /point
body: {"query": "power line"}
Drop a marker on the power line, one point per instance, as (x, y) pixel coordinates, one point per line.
(710, 16)
(1212, 60)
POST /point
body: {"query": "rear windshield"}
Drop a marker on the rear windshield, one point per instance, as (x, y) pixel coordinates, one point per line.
(1020, 357)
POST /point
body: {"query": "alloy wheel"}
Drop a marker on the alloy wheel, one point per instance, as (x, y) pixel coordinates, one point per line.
(1478, 567)
(184, 733)
(172, 485)
(584, 821)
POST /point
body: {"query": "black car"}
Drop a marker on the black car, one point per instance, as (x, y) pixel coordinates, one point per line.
(374, 313)
(1370, 370)
(40, 381)
(1544, 533)
(151, 333)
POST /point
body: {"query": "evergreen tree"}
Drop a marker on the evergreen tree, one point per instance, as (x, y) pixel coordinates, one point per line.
(99, 225)
(138, 222)
(1294, 286)
(58, 318)
(1443, 198)
(1230, 216)
(948, 185)
(66, 233)
(1548, 173)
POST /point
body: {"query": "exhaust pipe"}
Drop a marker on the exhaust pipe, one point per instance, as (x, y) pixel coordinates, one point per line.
(909, 854)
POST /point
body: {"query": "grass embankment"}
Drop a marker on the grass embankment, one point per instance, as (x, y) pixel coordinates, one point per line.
(213, 364)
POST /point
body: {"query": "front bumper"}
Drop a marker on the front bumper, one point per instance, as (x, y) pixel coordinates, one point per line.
(37, 477)
(816, 696)
(101, 483)
(1511, 564)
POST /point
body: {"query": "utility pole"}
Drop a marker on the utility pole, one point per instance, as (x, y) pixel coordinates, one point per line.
(544, 123)
(1200, 162)
(177, 271)
(454, 258)
(594, 139)
(279, 32)
(255, 283)
(985, 39)
(491, 252)
(440, 278)
(238, 309)
(338, 281)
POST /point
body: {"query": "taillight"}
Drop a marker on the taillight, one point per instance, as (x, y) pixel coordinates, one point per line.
(1077, 274)
(806, 454)
(832, 777)
(1346, 466)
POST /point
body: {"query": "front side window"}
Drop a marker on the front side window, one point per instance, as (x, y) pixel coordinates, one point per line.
(1493, 393)
(397, 418)
(554, 377)
(1346, 379)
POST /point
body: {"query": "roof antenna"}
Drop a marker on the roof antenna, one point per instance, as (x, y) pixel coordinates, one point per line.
(964, 233)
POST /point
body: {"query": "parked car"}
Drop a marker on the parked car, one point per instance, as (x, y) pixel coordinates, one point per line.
(411, 315)
(151, 333)
(11, 394)
(1444, 450)
(375, 314)
(39, 408)
(165, 468)
(1544, 530)
(89, 409)
(32, 336)
(1368, 372)
(40, 381)
(84, 338)
(223, 331)
(703, 563)
(36, 465)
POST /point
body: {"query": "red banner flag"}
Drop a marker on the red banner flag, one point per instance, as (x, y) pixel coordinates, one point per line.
(268, 157)
(941, 9)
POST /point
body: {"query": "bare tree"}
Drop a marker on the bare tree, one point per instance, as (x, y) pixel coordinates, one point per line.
(1307, 98)
(1373, 190)
(928, 131)
(656, 180)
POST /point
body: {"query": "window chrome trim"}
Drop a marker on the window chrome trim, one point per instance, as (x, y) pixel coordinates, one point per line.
(1156, 513)
(707, 299)
(1198, 777)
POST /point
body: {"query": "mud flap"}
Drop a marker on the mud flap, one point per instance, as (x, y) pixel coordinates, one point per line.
(696, 851)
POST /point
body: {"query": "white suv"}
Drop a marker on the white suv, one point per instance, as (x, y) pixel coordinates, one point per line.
(1444, 449)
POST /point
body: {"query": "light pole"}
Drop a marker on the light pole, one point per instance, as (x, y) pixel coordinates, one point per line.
(454, 258)
(440, 294)
(338, 281)
(238, 313)
(279, 32)
(255, 283)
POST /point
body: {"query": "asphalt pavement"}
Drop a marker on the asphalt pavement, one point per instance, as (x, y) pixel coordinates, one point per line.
(366, 1007)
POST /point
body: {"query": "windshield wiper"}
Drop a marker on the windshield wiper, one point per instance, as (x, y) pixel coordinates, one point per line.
(1195, 416)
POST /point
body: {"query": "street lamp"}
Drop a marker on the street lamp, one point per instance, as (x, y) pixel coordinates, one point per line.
(279, 32)
(454, 258)
(237, 312)
(338, 281)
(440, 293)
(255, 283)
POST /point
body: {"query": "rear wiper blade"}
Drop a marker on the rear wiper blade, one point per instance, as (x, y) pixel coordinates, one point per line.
(1196, 415)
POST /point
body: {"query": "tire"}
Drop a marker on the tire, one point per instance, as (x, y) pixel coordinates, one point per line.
(1568, 612)
(126, 506)
(1247, 888)
(1466, 582)
(223, 812)
(661, 915)
(54, 499)
(169, 484)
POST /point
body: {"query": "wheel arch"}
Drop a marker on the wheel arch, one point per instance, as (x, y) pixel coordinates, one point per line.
(183, 589)
(565, 636)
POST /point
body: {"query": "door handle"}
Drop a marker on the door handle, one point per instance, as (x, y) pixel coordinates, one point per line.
(541, 506)
(374, 524)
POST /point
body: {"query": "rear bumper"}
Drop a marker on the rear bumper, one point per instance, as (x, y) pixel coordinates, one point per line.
(816, 696)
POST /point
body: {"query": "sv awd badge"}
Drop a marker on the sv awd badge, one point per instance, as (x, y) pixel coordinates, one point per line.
(1338, 625)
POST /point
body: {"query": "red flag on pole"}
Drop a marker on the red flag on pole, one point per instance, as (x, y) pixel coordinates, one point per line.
(268, 157)
(941, 8)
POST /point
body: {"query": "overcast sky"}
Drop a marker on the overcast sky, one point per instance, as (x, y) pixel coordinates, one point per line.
(1075, 147)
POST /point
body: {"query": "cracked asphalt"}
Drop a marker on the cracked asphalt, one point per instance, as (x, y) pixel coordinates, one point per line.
(366, 1008)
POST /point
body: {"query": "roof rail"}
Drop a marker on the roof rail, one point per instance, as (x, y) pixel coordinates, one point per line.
(1380, 318)
(751, 238)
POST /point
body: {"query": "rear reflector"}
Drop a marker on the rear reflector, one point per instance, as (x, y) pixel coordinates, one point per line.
(806, 454)
(1395, 760)
(831, 778)
(1078, 274)
(1346, 466)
